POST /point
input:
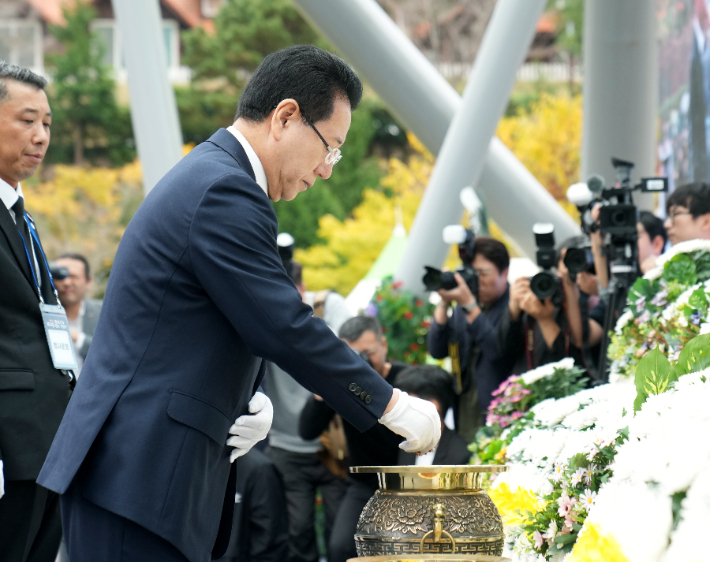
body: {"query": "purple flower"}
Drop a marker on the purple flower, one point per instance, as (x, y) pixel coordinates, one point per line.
(371, 309)
(660, 298)
(695, 318)
(640, 303)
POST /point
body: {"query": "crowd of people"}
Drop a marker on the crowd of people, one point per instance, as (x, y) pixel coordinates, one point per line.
(174, 387)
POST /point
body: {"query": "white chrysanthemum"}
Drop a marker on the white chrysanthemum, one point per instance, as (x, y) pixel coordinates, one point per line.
(687, 247)
(546, 370)
(637, 517)
(623, 320)
(655, 273)
(525, 476)
(687, 544)
(691, 379)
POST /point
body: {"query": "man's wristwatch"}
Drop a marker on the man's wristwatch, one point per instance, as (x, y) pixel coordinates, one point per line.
(468, 308)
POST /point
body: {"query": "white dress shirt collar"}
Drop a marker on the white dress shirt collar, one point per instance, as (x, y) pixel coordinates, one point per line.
(253, 159)
(9, 194)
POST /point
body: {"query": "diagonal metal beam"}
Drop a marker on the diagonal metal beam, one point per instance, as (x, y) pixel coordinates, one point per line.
(426, 103)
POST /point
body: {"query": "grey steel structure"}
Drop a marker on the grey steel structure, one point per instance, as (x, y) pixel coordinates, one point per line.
(154, 115)
(620, 87)
(426, 103)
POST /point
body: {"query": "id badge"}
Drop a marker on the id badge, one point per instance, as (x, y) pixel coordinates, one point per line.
(56, 326)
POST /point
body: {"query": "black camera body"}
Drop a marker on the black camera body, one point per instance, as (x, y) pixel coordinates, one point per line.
(435, 279)
(545, 284)
(579, 259)
(58, 272)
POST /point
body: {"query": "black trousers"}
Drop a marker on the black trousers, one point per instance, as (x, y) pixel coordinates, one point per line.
(30, 527)
(302, 475)
(93, 534)
(342, 541)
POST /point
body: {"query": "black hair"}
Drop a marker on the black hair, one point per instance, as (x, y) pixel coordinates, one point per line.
(494, 251)
(18, 74)
(695, 196)
(311, 76)
(78, 257)
(428, 382)
(352, 329)
(653, 226)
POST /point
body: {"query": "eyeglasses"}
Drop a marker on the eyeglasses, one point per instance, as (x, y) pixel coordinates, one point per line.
(333, 156)
(672, 216)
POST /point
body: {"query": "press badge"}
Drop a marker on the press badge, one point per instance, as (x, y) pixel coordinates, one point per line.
(56, 326)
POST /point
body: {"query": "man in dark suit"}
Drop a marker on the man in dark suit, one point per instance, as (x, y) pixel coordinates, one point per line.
(83, 313)
(33, 394)
(197, 300)
(434, 384)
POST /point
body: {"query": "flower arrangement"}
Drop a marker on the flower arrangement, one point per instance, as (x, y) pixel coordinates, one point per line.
(514, 397)
(405, 320)
(611, 473)
(652, 319)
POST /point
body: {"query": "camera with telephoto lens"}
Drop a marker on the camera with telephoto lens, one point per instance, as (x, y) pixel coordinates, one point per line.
(435, 279)
(58, 272)
(546, 285)
(579, 259)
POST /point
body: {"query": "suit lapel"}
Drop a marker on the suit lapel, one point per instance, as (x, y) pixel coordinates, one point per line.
(9, 228)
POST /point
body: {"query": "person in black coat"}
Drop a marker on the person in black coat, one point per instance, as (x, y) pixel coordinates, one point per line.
(33, 394)
(260, 526)
(197, 301)
(434, 384)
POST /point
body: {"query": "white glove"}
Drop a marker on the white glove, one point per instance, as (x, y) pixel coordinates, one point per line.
(248, 430)
(415, 419)
(2, 481)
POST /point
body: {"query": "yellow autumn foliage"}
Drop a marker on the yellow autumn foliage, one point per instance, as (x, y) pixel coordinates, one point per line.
(547, 139)
(354, 244)
(85, 210)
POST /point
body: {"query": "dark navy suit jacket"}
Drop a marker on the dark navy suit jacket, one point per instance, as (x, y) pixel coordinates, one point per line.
(196, 298)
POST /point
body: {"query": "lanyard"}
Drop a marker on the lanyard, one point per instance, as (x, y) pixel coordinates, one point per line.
(33, 233)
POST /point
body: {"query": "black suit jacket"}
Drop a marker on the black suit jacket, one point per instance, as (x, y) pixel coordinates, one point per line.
(196, 298)
(33, 394)
(452, 449)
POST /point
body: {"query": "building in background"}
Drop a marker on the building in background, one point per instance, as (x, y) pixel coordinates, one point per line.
(25, 38)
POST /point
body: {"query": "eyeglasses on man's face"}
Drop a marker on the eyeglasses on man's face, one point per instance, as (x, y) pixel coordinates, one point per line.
(676, 213)
(333, 155)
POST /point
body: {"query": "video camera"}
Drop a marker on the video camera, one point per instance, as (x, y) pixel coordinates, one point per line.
(434, 279)
(546, 284)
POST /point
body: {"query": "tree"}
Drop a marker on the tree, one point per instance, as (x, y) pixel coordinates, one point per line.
(548, 141)
(352, 245)
(245, 32)
(86, 120)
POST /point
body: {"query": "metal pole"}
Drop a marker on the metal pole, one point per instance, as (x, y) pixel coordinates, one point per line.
(154, 115)
(505, 44)
(620, 87)
(426, 103)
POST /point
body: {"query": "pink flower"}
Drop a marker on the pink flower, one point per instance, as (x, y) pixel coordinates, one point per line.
(537, 537)
(565, 504)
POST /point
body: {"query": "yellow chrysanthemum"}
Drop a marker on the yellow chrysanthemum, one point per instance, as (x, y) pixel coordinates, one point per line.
(514, 505)
(595, 546)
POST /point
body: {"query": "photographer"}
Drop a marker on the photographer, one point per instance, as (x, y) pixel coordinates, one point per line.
(469, 334)
(535, 332)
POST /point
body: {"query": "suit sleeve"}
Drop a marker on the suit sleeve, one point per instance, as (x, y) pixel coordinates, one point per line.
(232, 248)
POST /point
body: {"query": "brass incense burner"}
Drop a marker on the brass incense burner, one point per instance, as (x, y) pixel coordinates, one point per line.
(423, 511)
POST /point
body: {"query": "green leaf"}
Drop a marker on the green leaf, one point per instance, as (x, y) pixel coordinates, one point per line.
(680, 268)
(653, 375)
(565, 539)
(702, 266)
(698, 299)
(695, 356)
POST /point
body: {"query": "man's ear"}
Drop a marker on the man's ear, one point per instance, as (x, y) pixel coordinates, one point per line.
(284, 115)
(704, 223)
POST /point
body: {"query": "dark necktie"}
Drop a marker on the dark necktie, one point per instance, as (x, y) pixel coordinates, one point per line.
(19, 210)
